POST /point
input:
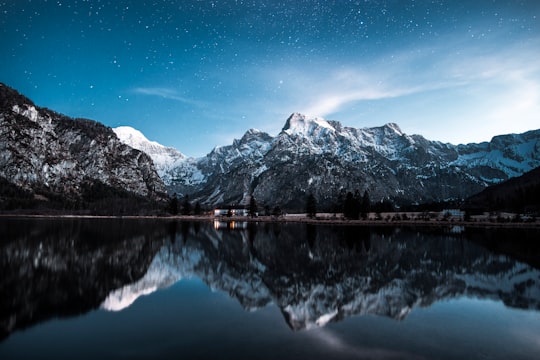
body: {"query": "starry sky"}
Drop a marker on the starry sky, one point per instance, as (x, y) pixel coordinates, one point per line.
(197, 74)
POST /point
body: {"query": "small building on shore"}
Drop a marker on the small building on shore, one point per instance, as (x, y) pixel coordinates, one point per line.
(231, 212)
(454, 213)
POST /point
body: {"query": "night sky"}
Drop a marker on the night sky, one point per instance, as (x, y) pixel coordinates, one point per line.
(196, 74)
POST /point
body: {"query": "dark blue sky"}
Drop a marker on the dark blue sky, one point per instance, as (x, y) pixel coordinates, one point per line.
(196, 74)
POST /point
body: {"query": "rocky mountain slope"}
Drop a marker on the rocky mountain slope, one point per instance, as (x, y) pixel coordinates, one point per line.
(313, 155)
(48, 154)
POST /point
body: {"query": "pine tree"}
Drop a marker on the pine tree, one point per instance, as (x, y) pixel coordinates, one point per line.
(252, 207)
(172, 206)
(197, 210)
(365, 205)
(350, 207)
(186, 206)
(311, 206)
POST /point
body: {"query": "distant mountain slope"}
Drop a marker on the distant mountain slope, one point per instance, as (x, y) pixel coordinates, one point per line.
(43, 152)
(519, 194)
(313, 155)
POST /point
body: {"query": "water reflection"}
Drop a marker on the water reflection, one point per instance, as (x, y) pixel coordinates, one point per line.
(314, 274)
(321, 274)
(67, 267)
(230, 224)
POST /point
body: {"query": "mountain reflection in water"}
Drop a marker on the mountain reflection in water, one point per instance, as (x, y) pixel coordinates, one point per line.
(314, 274)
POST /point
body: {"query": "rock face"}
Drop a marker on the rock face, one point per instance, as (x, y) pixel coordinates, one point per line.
(45, 152)
(312, 155)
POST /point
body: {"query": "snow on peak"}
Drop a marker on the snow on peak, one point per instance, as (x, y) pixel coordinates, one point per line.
(163, 157)
(395, 127)
(253, 131)
(301, 124)
(134, 137)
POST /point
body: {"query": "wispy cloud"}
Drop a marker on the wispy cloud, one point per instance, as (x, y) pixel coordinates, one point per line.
(344, 87)
(324, 93)
(510, 72)
(166, 93)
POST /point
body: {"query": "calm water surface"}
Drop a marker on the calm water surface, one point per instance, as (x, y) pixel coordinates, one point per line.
(137, 289)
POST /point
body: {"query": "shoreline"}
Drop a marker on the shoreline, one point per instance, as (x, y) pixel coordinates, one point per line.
(292, 219)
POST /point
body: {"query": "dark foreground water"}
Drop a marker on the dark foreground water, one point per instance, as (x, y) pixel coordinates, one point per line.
(128, 289)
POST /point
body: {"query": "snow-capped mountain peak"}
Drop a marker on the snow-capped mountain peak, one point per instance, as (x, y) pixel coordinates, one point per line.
(163, 157)
(133, 136)
(137, 140)
(301, 124)
(395, 127)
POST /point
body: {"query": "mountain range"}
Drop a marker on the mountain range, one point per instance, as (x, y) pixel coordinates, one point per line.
(327, 159)
(46, 153)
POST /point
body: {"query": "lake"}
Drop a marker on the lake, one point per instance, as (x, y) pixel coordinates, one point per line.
(140, 289)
